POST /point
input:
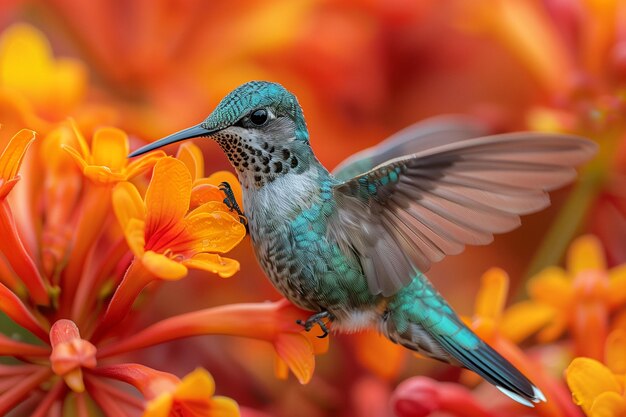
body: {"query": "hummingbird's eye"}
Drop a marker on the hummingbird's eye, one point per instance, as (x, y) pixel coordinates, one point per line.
(258, 117)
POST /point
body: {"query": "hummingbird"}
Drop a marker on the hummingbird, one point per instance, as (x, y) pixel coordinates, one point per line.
(352, 246)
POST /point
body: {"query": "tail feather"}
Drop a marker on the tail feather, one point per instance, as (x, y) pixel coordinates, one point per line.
(489, 364)
(418, 318)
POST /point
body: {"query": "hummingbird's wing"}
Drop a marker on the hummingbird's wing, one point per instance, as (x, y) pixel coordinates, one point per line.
(418, 137)
(412, 211)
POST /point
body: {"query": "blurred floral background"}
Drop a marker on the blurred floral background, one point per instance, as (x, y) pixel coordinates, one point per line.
(95, 79)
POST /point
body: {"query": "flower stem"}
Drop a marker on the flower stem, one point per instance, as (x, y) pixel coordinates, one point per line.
(13, 249)
(101, 396)
(50, 398)
(95, 208)
(10, 347)
(13, 396)
(13, 307)
(256, 320)
(135, 280)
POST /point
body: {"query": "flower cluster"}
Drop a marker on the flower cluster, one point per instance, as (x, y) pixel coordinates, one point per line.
(87, 246)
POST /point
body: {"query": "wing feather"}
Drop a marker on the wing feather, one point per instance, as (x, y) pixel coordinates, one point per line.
(411, 211)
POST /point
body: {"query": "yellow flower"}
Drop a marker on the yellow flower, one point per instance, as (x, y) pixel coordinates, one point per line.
(192, 397)
(106, 161)
(599, 388)
(581, 297)
(11, 159)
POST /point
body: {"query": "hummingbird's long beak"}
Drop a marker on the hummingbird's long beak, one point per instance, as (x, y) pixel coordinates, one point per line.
(192, 132)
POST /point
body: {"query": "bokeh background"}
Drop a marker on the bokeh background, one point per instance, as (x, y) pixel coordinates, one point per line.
(361, 69)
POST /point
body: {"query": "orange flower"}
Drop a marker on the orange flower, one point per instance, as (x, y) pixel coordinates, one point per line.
(11, 245)
(598, 388)
(273, 322)
(580, 298)
(167, 239)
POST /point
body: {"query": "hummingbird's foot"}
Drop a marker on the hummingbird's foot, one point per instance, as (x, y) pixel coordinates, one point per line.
(231, 203)
(317, 318)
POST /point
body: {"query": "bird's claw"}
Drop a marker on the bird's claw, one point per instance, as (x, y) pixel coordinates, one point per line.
(231, 203)
(317, 319)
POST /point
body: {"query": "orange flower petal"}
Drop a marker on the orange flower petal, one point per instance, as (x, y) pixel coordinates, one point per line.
(615, 356)
(608, 404)
(163, 267)
(102, 174)
(78, 158)
(127, 204)
(297, 353)
(11, 157)
(587, 379)
(143, 163)
(167, 198)
(372, 347)
(210, 232)
(617, 286)
(552, 331)
(82, 143)
(585, 253)
(523, 319)
(551, 286)
(491, 297)
(281, 370)
(192, 157)
(211, 262)
(110, 148)
(203, 193)
(224, 176)
(134, 233)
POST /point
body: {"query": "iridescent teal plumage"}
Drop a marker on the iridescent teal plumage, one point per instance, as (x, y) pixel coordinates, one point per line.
(355, 246)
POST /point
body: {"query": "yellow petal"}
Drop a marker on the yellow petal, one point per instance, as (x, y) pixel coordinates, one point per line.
(224, 407)
(127, 204)
(160, 406)
(551, 286)
(491, 297)
(608, 404)
(163, 267)
(209, 232)
(553, 330)
(523, 319)
(211, 262)
(297, 353)
(615, 356)
(11, 157)
(198, 385)
(110, 148)
(585, 253)
(192, 157)
(167, 198)
(587, 379)
(617, 286)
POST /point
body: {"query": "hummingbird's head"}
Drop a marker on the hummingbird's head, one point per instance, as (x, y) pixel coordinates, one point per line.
(259, 126)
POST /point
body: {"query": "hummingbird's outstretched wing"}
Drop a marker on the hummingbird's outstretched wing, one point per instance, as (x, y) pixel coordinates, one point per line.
(418, 137)
(412, 211)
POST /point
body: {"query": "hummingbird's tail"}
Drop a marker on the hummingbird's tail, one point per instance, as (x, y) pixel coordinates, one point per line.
(418, 318)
